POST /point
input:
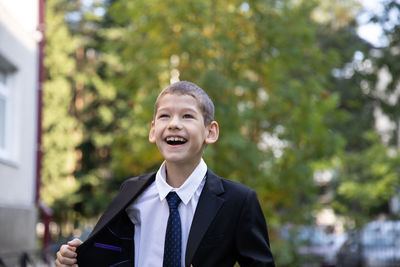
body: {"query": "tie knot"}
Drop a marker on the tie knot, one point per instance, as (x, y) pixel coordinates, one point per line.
(173, 200)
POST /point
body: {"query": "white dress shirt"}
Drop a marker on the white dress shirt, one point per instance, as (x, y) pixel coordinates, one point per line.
(149, 213)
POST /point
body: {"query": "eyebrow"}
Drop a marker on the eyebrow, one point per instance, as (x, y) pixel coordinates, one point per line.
(183, 110)
(189, 110)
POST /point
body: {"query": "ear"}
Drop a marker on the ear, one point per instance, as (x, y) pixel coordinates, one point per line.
(152, 135)
(212, 133)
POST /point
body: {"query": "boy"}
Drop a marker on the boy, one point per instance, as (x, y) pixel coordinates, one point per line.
(183, 215)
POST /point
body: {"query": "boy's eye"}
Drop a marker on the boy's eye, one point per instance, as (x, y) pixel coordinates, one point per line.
(188, 116)
(163, 116)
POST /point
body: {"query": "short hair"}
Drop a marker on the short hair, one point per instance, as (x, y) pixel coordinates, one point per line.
(189, 88)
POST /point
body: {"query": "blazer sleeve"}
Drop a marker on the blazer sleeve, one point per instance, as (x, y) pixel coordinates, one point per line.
(252, 241)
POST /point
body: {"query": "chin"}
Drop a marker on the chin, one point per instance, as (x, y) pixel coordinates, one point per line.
(174, 160)
(180, 160)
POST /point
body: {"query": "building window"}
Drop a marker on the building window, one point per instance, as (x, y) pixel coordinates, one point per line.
(3, 108)
(2, 123)
(7, 113)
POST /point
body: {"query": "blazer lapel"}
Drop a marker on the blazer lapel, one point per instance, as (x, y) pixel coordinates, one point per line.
(208, 206)
(131, 189)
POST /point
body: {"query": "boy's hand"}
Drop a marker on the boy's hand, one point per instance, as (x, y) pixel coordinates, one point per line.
(66, 256)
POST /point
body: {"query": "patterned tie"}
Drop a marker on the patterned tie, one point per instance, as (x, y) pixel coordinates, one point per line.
(173, 236)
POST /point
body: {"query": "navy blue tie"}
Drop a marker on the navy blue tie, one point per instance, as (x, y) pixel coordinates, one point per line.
(173, 236)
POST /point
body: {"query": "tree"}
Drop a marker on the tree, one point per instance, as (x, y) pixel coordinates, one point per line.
(60, 127)
(367, 173)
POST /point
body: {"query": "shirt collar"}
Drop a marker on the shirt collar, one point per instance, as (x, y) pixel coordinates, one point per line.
(187, 189)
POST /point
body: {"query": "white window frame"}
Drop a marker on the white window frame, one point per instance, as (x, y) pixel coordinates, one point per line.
(7, 94)
(3, 109)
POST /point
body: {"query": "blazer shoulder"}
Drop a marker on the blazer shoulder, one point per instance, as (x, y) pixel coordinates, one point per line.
(129, 190)
(145, 176)
(236, 185)
(231, 187)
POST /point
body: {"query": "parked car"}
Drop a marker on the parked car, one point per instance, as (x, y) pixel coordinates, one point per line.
(322, 247)
(315, 246)
(376, 245)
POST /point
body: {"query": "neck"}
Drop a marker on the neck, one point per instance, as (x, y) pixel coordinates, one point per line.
(177, 174)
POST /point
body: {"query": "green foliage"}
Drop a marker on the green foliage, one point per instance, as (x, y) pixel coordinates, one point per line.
(367, 180)
(59, 126)
(367, 175)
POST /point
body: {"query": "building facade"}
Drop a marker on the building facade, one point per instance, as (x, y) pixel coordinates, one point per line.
(19, 71)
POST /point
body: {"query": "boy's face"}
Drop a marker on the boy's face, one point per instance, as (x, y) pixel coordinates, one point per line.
(178, 130)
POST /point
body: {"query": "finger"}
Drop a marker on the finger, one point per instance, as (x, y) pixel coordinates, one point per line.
(75, 242)
(68, 251)
(66, 261)
(69, 257)
(59, 263)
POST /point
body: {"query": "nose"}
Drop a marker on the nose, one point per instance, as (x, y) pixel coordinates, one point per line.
(175, 123)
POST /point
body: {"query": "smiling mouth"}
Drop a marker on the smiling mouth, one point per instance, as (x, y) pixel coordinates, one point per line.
(175, 141)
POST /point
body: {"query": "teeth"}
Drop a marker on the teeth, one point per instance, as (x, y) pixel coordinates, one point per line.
(176, 139)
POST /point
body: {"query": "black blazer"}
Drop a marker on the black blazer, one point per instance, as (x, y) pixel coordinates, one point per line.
(228, 226)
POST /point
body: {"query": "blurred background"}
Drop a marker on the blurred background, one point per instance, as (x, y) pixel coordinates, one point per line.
(306, 95)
